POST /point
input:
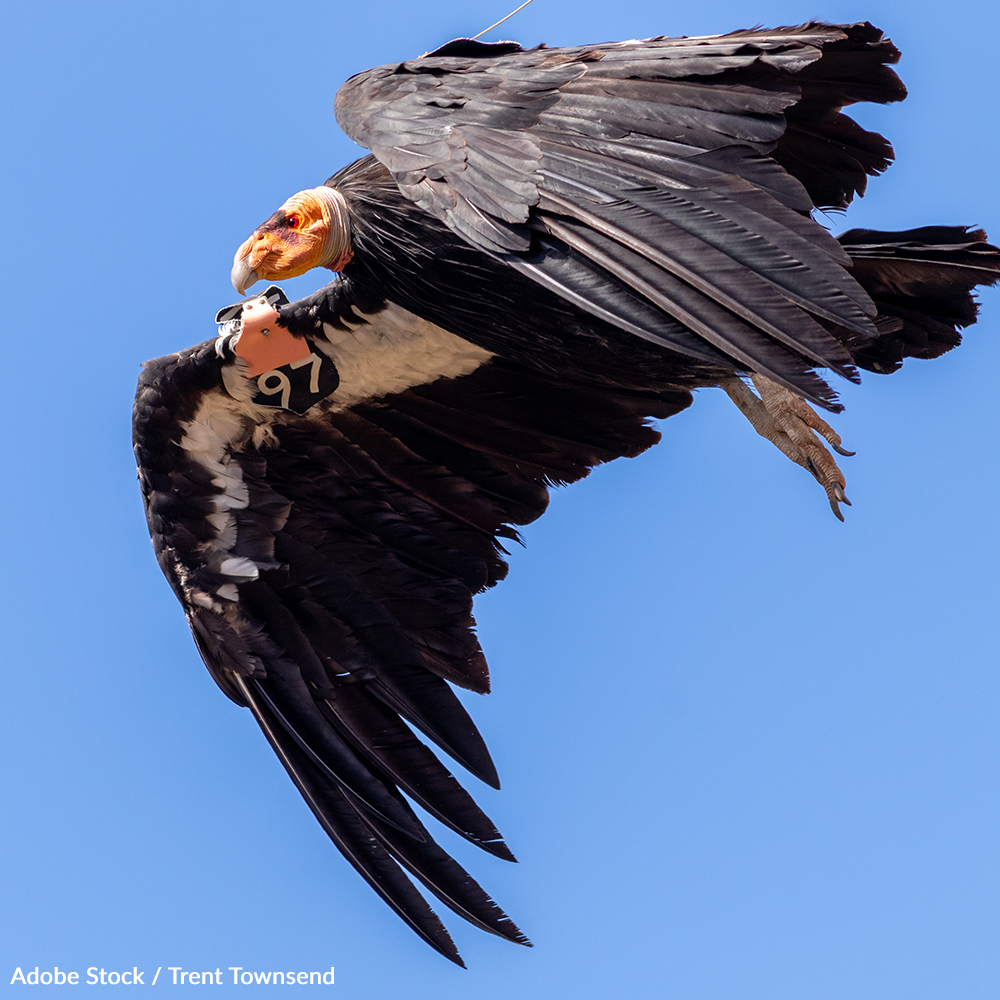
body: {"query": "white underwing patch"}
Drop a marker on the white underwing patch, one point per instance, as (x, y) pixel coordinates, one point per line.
(219, 425)
(393, 350)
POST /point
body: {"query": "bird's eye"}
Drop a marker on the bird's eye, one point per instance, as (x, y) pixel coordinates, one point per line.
(293, 221)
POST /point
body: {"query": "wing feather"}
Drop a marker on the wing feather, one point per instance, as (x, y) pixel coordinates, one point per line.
(628, 140)
(353, 837)
(327, 564)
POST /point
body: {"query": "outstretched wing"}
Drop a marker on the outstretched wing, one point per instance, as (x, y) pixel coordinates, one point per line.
(653, 182)
(327, 564)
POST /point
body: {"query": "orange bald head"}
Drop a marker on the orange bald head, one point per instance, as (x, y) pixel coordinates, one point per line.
(310, 230)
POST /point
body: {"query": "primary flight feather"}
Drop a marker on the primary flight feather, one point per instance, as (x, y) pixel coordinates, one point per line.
(546, 248)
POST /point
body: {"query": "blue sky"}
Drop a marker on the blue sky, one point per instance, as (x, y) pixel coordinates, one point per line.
(748, 752)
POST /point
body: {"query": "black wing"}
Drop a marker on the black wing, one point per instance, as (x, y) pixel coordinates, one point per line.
(327, 564)
(653, 182)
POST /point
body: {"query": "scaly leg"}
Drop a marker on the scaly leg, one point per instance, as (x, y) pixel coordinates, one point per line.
(788, 423)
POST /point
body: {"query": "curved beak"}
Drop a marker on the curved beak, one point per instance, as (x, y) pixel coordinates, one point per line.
(243, 275)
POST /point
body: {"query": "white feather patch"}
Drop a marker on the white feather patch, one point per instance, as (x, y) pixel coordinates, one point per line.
(393, 350)
(220, 424)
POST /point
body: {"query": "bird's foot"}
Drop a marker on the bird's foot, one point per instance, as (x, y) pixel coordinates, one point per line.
(791, 424)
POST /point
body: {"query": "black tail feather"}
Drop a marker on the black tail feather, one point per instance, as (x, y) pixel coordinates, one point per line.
(922, 281)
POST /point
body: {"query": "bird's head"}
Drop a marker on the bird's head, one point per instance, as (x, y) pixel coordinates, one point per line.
(311, 229)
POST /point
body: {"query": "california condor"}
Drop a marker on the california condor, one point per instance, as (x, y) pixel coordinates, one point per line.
(545, 249)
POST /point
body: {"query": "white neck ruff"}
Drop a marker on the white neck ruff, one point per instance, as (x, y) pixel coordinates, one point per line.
(337, 251)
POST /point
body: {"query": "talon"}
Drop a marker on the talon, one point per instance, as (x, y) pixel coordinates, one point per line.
(789, 423)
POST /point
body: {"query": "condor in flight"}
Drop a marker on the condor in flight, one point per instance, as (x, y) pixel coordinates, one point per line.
(545, 249)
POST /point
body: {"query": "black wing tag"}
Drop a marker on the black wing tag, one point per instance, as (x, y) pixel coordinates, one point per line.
(284, 371)
(298, 385)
